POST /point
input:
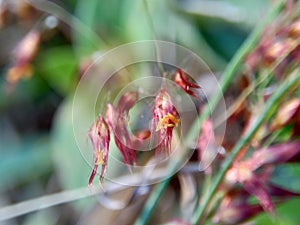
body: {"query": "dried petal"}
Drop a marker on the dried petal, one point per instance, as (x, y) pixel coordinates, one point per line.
(294, 29)
(278, 40)
(27, 48)
(235, 208)
(118, 121)
(255, 187)
(163, 105)
(295, 55)
(182, 81)
(127, 101)
(243, 172)
(286, 114)
(276, 50)
(254, 59)
(100, 138)
(236, 214)
(15, 73)
(206, 138)
(275, 154)
(23, 55)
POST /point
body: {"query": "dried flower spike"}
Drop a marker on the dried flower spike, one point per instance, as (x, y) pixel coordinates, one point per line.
(100, 138)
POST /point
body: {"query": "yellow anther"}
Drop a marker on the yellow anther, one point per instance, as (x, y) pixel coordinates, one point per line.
(173, 119)
(167, 121)
(100, 158)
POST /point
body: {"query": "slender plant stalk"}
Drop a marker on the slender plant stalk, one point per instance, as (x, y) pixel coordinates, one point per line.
(281, 91)
(155, 195)
(226, 78)
(67, 196)
(157, 51)
(151, 202)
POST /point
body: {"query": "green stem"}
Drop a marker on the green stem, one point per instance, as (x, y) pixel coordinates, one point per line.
(157, 51)
(289, 83)
(151, 202)
(226, 78)
(155, 196)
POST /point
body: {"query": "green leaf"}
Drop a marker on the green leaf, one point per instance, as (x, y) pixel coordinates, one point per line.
(287, 176)
(71, 167)
(24, 162)
(58, 66)
(288, 214)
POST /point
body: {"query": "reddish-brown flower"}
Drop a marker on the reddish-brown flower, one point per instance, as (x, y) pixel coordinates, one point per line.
(234, 211)
(100, 138)
(118, 119)
(182, 80)
(294, 29)
(278, 44)
(165, 118)
(288, 113)
(245, 172)
(236, 206)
